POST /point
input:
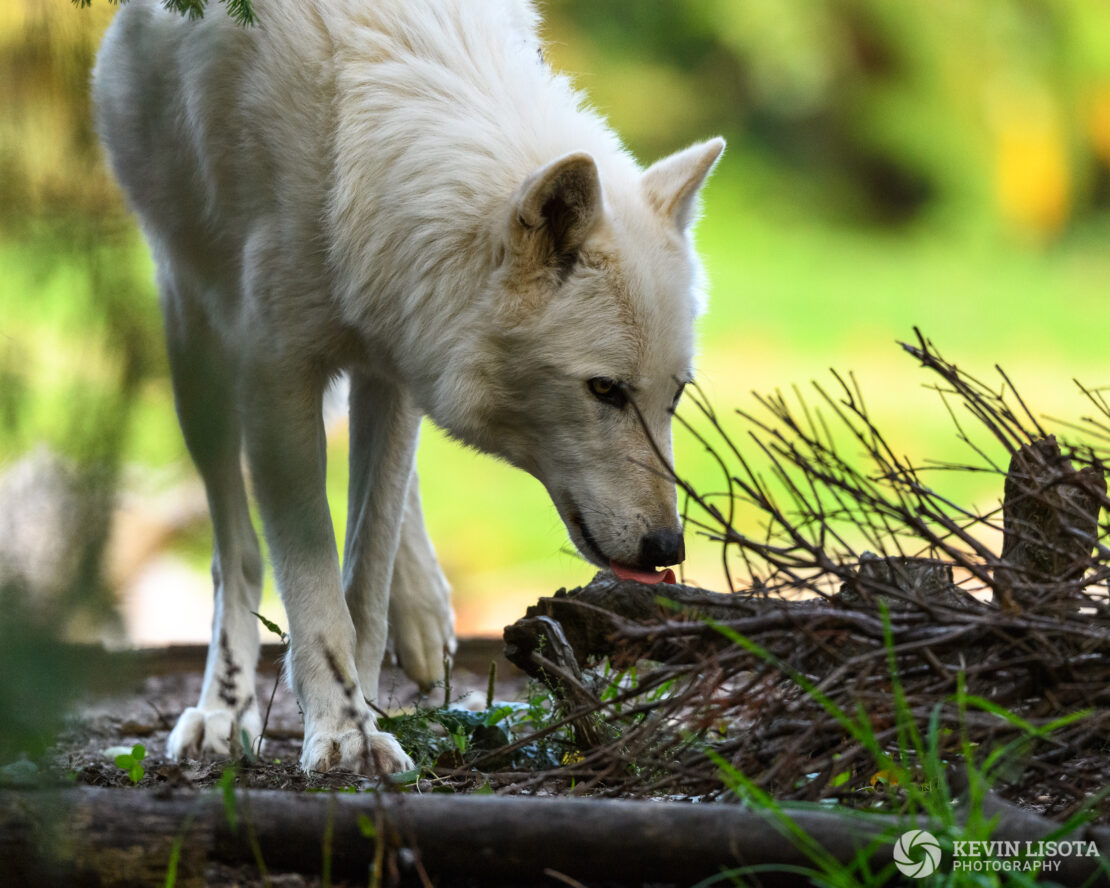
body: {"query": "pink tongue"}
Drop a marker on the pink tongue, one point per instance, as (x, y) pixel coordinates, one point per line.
(624, 572)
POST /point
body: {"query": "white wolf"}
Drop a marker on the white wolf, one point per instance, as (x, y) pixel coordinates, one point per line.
(404, 191)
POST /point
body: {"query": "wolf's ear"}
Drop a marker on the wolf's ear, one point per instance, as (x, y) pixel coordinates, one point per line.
(672, 184)
(557, 207)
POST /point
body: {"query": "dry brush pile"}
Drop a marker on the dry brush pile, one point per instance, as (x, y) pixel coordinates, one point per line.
(880, 633)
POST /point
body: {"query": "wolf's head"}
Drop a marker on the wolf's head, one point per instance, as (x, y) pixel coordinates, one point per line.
(596, 294)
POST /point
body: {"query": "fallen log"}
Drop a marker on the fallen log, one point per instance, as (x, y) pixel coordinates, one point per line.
(119, 838)
(628, 621)
(590, 618)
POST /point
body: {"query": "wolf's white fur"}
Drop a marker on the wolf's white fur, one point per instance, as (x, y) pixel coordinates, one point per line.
(402, 190)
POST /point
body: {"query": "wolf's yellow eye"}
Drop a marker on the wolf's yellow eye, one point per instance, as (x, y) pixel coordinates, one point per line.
(608, 390)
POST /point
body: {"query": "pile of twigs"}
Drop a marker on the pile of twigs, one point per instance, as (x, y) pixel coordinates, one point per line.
(873, 619)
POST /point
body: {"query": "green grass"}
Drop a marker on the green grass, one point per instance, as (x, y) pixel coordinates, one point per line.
(918, 766)
(790, 296)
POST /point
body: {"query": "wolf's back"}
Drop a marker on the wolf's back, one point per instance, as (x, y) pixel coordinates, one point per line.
(389, 136)
(188, 112)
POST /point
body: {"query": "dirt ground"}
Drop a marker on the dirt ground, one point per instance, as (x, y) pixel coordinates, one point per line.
(146, 707)
(164, 682)
(145, 710)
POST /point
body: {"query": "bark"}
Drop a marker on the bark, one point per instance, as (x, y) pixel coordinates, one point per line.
(103, 837)
(1050, 526)
(590, 618)
(629, 621)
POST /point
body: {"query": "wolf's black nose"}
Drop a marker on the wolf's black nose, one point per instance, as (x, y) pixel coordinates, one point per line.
(662, 547)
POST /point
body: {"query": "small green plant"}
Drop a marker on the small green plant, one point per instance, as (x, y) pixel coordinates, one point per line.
(245, 745)
(175, 852)
(226, 785)
(255, 752)
(131, 762)
(273, 627)
(371, 830)
(447, 736)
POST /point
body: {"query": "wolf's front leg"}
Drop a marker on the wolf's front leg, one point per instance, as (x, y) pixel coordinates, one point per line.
(384, 426)
(284, 434)
(421, 619)
(204, 393)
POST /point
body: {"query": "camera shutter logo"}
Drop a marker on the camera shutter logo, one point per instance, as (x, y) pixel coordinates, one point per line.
(917, 854)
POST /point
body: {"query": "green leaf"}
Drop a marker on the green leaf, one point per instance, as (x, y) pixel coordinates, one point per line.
(227, 790)
(174, 861)
(246, 746)
(366, 827)
(404, 778)
(129, 762)
(493, 716)
(272, 626)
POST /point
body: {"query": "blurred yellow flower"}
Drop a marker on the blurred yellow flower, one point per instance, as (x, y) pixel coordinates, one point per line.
(1033, 176)
(1098, 122)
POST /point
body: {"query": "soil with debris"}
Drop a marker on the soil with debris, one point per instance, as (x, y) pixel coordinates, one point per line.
(165, 682)
(146, 710)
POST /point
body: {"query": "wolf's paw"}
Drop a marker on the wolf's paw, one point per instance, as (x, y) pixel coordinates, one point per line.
(372, 753)
(422, 628)
(211, 733)
(421, 642)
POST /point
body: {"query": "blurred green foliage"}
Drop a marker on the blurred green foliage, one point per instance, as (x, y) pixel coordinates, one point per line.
(984, 113)
(51, 173)
(863, 109)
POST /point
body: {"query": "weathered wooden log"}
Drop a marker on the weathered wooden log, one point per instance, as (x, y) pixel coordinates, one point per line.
(591, 616)
(615, 618)
(1050, 526)
(101, 837)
